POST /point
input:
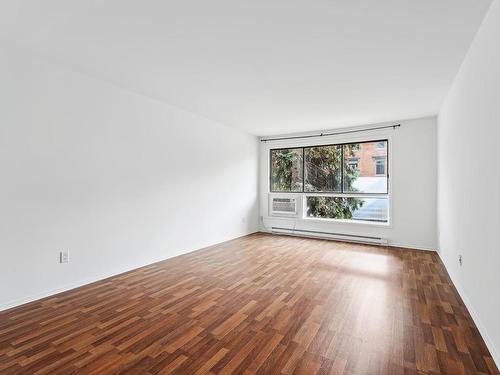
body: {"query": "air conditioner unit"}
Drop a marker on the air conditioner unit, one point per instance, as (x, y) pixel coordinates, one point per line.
(283, 206)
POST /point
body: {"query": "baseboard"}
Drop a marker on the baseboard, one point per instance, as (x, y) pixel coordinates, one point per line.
(65, 288)
(93, 279)
(411, 246)
(495, 354)
(391, 243)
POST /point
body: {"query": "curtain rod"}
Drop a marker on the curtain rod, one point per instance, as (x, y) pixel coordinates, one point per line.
(327, 134)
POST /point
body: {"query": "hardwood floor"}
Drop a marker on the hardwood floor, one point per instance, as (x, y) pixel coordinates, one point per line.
(260, 304)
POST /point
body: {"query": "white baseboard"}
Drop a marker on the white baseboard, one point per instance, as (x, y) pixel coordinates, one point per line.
(48, 293)
(89, 280)
(411, 246)
(64, 288)
(495, 354)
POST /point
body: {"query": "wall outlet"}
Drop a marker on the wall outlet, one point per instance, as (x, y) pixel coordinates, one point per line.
(64, 256)
(460, 260)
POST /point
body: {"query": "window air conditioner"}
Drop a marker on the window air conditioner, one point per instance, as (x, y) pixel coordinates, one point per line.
(283, 206)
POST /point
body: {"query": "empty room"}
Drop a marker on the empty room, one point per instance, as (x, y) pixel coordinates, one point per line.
(249, 187)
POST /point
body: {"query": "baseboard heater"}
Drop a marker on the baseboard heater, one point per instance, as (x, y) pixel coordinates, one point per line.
(330, 235)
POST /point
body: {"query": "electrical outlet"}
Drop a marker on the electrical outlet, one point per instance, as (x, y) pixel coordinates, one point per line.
(460, 260)
(64, 256)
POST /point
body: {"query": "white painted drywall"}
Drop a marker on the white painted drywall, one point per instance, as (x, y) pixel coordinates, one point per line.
(412, 176)
(116, 178)
(265, 66)
(468, 182)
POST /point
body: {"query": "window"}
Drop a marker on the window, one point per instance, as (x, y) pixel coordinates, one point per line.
(286, 169)
(341, 181)
(322, 168)
(353, 162)
(363, 176)
(380, 167)
(350, 208)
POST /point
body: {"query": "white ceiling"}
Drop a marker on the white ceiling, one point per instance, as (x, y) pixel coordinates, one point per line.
(264, 66)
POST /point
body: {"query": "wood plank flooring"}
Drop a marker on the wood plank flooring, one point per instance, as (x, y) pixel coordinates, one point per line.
(260, 304)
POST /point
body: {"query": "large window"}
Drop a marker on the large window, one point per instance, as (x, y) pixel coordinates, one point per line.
(342, 181)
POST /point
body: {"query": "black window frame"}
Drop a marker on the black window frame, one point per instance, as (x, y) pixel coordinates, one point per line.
(342, 191)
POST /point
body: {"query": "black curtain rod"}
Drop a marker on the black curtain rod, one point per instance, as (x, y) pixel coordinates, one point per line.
(326, 134)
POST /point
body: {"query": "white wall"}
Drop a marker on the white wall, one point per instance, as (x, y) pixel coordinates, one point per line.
(116, 178)
(412, 175)
(468, 183)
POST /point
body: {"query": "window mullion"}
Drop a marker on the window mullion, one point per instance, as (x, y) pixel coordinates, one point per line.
(342, 169)
(303, 169)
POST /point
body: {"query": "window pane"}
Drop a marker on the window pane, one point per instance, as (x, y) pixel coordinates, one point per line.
(380, 167)
(286, 169)
(365, 167)
(323, 168)
(350, 208)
